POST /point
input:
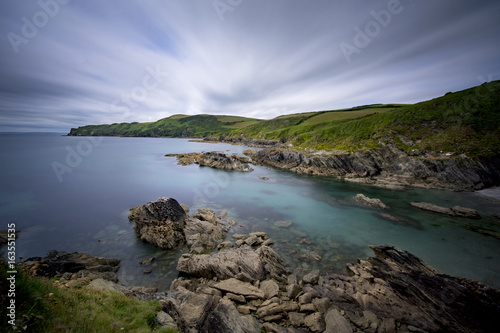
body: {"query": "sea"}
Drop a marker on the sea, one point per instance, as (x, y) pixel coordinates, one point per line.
(74, 194)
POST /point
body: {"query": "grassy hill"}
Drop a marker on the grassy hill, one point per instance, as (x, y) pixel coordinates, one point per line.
(467, 122)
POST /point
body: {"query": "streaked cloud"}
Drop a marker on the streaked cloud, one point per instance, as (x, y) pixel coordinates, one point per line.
(89, 62)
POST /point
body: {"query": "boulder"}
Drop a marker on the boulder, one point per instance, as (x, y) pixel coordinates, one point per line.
(336, 323)
(226, 319)
(238, 287)
(204, 231)
(257, 264)
(375, 203)
(270, 288)
(311, 278)
(315, 322)
(194, 308)
(160, 223)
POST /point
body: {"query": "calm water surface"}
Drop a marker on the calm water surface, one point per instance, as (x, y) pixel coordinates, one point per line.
(74, 194)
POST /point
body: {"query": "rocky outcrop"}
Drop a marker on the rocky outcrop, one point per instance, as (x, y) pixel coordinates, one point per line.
(387, 166)
(215, 160)
(453, 211)
(160, 223)
(165, 223)
(74, 268)
(259, 264)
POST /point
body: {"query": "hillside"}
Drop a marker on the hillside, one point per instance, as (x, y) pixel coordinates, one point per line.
(464, 122)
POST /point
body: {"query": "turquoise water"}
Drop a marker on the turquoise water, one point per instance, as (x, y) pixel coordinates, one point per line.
(85, 208)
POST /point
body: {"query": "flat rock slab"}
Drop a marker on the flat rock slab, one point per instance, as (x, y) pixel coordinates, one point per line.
(453, 211)
(238, 287)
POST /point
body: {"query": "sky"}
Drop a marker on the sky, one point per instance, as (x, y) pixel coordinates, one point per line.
(69, 63)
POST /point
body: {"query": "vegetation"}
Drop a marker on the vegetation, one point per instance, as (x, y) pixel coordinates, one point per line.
(464, 122)
(43, 307)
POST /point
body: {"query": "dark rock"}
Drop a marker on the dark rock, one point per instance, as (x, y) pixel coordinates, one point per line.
(194, 308)
(454, 211)
(147, 261)
(160, 223)
(293, 290)
(226, 319)
(215, 160)
(466, 212)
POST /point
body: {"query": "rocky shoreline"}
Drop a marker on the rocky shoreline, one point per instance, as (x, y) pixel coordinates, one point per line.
(242, 285)
(388, 167)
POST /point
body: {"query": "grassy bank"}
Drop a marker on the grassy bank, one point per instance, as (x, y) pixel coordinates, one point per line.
(464, 122)
(43, 307)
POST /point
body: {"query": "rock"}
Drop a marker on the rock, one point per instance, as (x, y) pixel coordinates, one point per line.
(315, 322)
(225, 245)
(165, 320)
(259, 234)
(306, 298)
(283, 224)
(86, 265)
(147, 261)
(310, 257)
(147, 270)
(311, 278)
(401, 220)
(240, 236)
(322, 304)
(293, 290)
(308, 307)
(257, 264)
(215, 160)
(226, 319)
(194, 308)
(236, 298)
(466, 212)
(238, 287)
(387, 166)
(387, 325)
(296, 319)
(274, 309)
(263, 178)
(375, 203)
(270, 288)
(273, 328)
(268, 242)
(204, 231)
(160, 223)
(336, 323)
(246, 309)
(454, 211)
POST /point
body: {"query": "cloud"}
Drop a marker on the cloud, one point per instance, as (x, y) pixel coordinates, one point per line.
(102, 62)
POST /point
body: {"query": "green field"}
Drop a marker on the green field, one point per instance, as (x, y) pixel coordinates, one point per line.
(464, 122)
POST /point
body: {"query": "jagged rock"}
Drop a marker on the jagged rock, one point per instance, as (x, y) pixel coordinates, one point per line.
(226, 319)
(257, 264)
(225, 245)
(375, 203)
(322, 304)
(387, 325)
(336, 323)
(204, 231)
(308, 307)
(273, 328)
(86, 265)
(165, 320)
(147, 261)
(387, 166)
(315, 322)
(274, 309)
(236, 298)
(215, 160)
(310, 256)
(311, 278)
(293, 290)
(238, 287)
(454, 211)
(270, 288)
(160, 223)
(194, 308)
(296, 318)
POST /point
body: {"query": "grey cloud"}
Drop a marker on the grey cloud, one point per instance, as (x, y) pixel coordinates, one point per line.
(264, 59)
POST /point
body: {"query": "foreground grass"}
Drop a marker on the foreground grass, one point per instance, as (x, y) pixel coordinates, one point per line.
(43, 307)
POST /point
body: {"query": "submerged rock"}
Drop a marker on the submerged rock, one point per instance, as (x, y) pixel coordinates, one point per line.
(453, 211)
(375, 203)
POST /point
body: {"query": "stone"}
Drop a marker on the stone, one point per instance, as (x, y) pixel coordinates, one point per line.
(165, 320)
(308, 307)
(274, 308)
(293, 290)
(268, 242)
(226, 319)
(322, 304)
(147, 261)
(375, 203)
(273, 328)
(259, 234)
(433, 208)
(283, 224)
(236, 298)
(238, 287)
(311, 278)
(215, 160)
(387, 325)
(270, 288)
(194, 308)
(225, 245)
(147, 270)
(315, 322)
(296, 319)
(204, 231)
(239, 236)
(258, 264)
(336, 323)
(310, 256)
(160, 223)
(306, 298)
(246, 309)
(466, 212)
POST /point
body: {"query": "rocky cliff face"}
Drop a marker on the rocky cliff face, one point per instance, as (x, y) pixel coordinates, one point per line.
(388, 166)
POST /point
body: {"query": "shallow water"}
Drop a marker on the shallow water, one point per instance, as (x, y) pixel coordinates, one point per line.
(85, 209)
